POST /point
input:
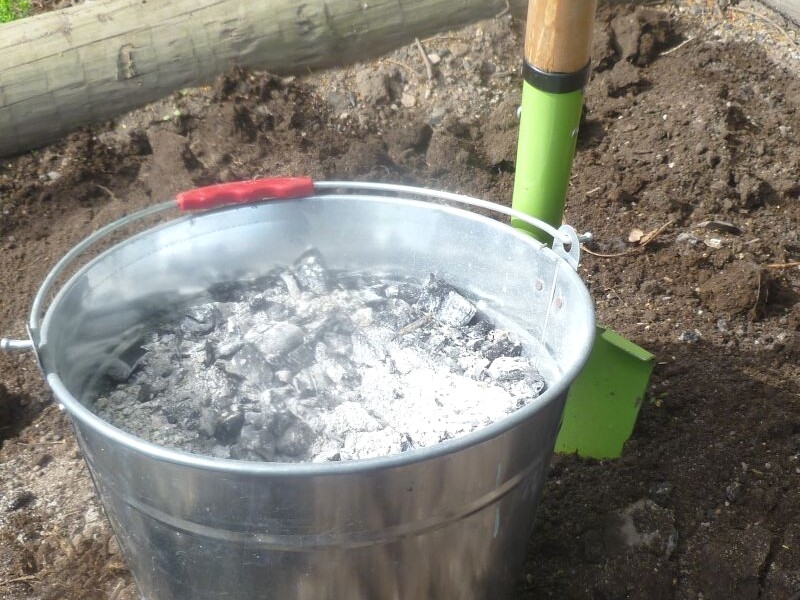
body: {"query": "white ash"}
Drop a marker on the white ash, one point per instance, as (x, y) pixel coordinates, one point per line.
(309, 365)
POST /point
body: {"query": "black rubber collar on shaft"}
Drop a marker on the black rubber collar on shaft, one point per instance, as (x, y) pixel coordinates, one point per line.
(556, 83)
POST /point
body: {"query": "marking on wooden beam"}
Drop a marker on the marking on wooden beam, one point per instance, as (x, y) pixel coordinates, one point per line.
(126, 69)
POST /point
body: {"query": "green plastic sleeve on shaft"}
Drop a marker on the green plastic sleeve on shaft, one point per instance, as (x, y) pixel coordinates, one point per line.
(548, 131)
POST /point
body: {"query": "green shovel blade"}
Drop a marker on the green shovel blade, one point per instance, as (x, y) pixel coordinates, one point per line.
(604, 400)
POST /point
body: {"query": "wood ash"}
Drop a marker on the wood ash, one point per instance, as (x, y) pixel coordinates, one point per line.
(307, 364)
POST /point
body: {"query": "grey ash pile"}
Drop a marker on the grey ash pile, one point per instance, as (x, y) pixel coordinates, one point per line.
(311, 365)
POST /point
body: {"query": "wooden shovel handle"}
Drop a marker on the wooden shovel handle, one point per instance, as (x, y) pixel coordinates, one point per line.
(558, 35)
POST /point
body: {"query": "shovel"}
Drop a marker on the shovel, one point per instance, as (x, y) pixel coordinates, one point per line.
(604, 401)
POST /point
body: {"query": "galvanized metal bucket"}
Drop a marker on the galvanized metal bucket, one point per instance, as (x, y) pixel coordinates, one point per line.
(448, 522)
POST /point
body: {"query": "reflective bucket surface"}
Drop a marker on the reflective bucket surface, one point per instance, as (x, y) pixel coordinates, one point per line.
(448, 521)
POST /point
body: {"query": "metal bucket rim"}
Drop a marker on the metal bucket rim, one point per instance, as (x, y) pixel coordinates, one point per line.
(82, 414)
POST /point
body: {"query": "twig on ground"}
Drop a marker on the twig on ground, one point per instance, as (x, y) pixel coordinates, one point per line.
(18, 580)
(117, 590)
(649, 237)
(425, 59)
(681, 45)
(446, 38)
(107, 191)
(786, 265)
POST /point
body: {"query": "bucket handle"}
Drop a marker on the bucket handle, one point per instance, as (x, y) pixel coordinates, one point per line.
(566, 244)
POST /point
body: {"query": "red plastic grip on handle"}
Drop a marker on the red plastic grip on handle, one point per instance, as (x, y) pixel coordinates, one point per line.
(240, 192)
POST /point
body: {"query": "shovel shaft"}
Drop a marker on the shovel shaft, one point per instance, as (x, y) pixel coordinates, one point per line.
(548, 131)
(558, 40)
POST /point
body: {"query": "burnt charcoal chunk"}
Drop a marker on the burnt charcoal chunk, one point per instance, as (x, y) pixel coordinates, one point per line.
(404, 291)
(199, 321)
(228, 348)
(117, 370)
(248, 364)
(296, 439)
(311, 380)
(229, 291)
(395, 314)
(145, 393)
(277, 311)
(508, 368)
(500, 344)
(445, 304)
(228, 427)
(455, 310)
(310, 272)
(277, 341)
(431, 296)
(260, 442)
(299, 358)
(338, 344)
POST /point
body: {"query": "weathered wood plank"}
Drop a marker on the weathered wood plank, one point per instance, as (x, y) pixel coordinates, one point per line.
(91, 62)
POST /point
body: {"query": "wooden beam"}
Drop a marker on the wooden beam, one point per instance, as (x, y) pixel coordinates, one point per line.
(88, 63)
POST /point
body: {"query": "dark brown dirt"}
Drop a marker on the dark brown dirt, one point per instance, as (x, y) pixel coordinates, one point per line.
(705, 502)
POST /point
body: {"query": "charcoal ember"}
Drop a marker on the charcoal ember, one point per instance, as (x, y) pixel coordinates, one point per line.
(518, 376)
(199, 321)
(292, 286)
(277, 341)
(350, 416)
(228, 348)
(339, 371)
(279, 420)
(207, 421)
(445, 304)
(363, 317)
(277, 311)
(298, 359)
(310, 272)
(338, 344)
(260, 442)
(474, 367)
(228, 427)
(146, 393)
(284, 376)
(500, 343)
(311, 380)
(228, 291)
(369, 348)
(396, 314)
(363, 444)
(508, 368)
(408, 292)
(117, 370)
(296, 440)
(254, 418)
(372, 296)
(431, 296)
(248, 364)
(455, 311)
(407, 358)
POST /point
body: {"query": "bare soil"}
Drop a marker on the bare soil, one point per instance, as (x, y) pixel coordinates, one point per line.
(689, 132)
